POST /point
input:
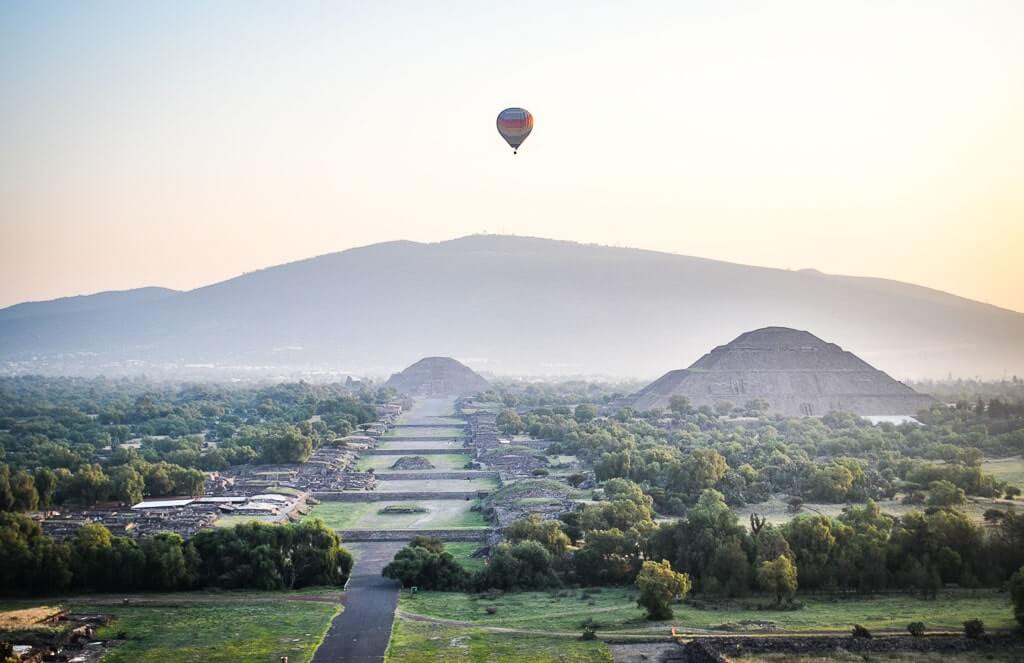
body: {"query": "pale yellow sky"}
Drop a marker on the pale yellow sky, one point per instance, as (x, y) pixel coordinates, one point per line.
(185, 143)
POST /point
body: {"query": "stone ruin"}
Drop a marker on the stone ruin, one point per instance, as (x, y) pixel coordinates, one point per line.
(412, 463)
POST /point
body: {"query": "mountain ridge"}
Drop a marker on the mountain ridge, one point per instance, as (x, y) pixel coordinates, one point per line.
(523, 303)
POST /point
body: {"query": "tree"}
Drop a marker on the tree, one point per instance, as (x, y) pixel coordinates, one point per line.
(427, 568)
(89, 484)
(777, 577)
(659, 586)
(584, 412)
(158, 481)
(509, 422)
(1017, 595)
(23, 487)
(679, 405)
(523, 566)
(6, 494)
(167, 565)
(46, 486)
(944, 493)
(286, 446)
(548, 533)
(127, 485)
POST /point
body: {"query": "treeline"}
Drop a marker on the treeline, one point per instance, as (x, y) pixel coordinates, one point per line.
(863, 550)
(562, 394)
(62, 439)
(126, 480)
(250, 556)
(676, 454)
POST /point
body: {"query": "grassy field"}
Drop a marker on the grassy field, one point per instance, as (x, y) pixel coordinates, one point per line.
(414, 431)
(218, 632)
(901, 657)
(462, 552)
(441, 462)
(231, 521)
(441, 514)
(776, 509)
(1010, 470)
(615, 610)
(434, 643)
(435, 485)
(413, 446)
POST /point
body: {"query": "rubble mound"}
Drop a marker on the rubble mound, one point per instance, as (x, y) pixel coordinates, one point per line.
(412, 463)
(794, 372)
(437, 377)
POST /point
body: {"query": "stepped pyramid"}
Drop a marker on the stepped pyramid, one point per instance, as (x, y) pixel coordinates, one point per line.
(438, 377)
(796, 372)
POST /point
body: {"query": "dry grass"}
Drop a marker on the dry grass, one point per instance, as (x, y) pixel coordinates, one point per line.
(17, 620)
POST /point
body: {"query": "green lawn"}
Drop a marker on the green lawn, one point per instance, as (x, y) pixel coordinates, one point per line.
(413, 431)
(441, 462)
(441, 514)
(413, 446)
(616, 610)
(231, 521)
(218, 633)
(435, 485)
(776, 510)
(462, 552)
(433, 643)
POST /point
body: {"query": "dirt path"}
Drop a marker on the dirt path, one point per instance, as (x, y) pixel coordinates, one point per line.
(361, 632)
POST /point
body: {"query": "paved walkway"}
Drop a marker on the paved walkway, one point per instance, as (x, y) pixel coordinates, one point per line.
(361, 632)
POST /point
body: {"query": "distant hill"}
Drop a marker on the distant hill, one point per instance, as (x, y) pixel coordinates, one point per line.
(81, 303)
(794, 372)
(525, 305)
(438, 377)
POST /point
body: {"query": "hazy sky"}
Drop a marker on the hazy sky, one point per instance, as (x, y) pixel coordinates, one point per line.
(181, 143)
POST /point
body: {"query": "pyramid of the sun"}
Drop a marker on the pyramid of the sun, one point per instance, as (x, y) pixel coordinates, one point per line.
(438, 377)
(796, 372)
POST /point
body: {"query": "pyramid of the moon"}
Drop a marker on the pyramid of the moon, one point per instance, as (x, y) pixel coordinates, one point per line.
(438, 377)
(796, 372)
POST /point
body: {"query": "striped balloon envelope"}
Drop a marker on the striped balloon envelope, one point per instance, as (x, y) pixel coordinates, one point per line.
(514, 125)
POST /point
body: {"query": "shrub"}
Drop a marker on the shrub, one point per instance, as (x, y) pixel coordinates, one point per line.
(974, 628)
(916, 629)
(860, 632)
(424, 567)
(589, 630)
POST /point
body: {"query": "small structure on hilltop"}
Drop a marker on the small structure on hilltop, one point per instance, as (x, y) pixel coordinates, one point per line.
(412, 463)
(790, 372)
(437, 377)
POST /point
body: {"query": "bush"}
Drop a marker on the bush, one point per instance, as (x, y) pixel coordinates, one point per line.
(916, 629)
(974, 628)
(424, 567)
(860, 632)
(589, 630)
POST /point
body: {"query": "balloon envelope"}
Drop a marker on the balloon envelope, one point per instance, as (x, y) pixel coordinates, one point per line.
(514, 125)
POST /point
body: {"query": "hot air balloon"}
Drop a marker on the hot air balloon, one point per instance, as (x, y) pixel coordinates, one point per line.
(514, 125)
